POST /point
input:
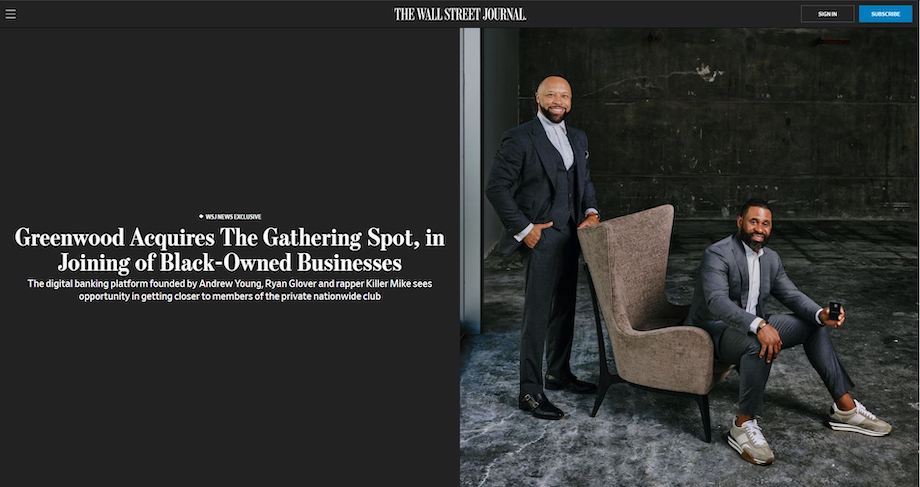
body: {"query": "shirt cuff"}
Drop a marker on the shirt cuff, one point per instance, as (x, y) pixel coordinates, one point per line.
(818, 316)
(753, 325)
(591, 211)
(524, 232)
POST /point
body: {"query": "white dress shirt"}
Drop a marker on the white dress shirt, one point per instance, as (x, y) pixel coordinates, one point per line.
(556, 134)
(753, 264)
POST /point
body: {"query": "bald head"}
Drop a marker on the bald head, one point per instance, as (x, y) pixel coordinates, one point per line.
(554, 98)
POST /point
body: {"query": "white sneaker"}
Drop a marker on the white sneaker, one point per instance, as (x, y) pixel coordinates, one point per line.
(858, 420)
(748, 440)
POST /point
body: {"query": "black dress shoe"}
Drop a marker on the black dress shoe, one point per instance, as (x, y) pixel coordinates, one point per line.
(539, 406)
(571, 384)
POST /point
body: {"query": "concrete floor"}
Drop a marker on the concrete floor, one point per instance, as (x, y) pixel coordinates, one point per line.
(642, 438)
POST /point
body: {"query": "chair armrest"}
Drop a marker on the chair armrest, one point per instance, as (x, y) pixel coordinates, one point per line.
(676, 358)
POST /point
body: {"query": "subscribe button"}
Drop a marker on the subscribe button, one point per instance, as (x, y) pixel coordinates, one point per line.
(888, 14)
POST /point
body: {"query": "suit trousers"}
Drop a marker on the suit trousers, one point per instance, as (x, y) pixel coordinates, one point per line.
(742, 349)
(550, 277)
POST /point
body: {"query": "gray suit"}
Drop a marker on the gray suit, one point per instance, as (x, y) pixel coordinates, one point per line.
(718, 307)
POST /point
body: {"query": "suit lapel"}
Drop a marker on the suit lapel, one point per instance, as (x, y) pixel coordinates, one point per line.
(580, 168)
(577, 151)
(549, 156)
(765, 273)
(741, 262)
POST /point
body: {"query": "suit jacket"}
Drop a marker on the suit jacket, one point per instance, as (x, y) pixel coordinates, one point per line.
(521, 185)
(721, 293)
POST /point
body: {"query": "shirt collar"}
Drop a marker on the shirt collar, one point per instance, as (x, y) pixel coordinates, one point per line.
(750, 252)
(548, 124)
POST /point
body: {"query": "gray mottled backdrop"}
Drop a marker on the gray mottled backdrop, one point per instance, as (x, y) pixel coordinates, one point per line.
(821, 121)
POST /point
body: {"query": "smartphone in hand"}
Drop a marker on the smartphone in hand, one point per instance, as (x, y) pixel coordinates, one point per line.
(833, 311)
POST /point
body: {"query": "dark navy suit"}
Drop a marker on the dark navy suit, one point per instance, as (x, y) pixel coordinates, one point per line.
(528, 184)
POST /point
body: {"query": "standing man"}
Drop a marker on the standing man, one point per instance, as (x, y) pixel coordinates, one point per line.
(736, 276)
(541, 188)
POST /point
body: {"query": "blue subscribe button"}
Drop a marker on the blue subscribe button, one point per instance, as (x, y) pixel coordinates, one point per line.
(886, 14)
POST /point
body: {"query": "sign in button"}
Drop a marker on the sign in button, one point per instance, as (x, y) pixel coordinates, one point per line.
(888, 14)
(827, 13)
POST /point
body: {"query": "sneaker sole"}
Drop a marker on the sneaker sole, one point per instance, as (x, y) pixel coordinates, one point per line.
(745, 455)
(855, 429)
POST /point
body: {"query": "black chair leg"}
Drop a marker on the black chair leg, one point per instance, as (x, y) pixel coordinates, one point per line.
(602, 386)
(703, 403)
(604, 378)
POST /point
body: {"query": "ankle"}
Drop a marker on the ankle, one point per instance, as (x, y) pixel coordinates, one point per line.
(845, 403)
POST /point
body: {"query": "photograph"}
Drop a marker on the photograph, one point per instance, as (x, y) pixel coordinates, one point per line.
(723, 218)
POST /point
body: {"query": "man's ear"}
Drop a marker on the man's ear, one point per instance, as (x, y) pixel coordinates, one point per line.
(739, 222)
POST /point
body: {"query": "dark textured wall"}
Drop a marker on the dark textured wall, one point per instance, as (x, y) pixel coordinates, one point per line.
(821, 121)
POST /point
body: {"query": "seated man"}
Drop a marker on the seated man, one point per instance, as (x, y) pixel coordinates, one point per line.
(735, 277)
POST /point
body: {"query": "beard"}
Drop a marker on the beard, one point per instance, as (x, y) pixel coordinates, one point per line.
(552, 116)
(748, 238)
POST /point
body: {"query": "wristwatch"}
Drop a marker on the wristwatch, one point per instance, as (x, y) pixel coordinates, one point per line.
(762, 324)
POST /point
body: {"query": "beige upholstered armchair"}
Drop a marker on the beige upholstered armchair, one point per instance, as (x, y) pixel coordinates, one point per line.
(627, 259)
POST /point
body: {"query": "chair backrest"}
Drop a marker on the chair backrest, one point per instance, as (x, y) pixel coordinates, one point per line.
(628, 260)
